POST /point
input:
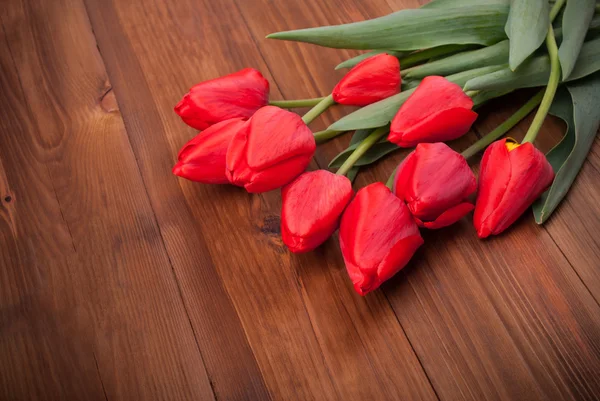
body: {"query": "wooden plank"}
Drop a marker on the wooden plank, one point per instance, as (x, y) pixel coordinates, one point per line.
(313, 339)
(575, 228)
(501, 319)
(93, 310)
(37, 317)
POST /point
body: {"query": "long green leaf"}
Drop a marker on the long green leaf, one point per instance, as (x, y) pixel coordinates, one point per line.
(359, 135)
(411, 29)
(535, 72)
(355, 60)
(375, 153)
(462, 3)
(491, 55)
(526, 28)
(380, 113)
(352, 173)
(579, 108)
(575, 22)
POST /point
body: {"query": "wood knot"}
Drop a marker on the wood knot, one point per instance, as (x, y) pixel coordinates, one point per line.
(8, 199)
(108, 101)
(271, 225)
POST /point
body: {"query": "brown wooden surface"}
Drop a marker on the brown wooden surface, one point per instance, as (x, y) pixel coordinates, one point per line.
(119, 281)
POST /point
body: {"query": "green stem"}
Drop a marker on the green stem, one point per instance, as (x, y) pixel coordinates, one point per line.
(288, 104)
(556, 9)
(504, 127)
(390, 182)
(318, 109)
(542, 112)
(361, 149)
(323, 136)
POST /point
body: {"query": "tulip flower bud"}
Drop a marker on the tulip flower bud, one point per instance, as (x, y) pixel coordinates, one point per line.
(203, 158)
(236, 95)
(311, 208)
(378, 237)
(274, 148)
(437, 111)
(511, 178)
(370, 81)
(435, 182)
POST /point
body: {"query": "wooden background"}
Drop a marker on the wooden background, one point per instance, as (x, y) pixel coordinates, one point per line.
(119, 281)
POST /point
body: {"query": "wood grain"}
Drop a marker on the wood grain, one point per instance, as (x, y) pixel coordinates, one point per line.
(120, 281)
(97, 310)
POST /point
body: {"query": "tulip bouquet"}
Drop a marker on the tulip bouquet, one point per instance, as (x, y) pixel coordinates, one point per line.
(455, 55)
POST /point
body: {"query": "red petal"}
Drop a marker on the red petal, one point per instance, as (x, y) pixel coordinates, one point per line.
(442, 126)
(450, 216)
(203, 158)
(440, 179)
(275, 135)
(311, 208)
(276, 176)
(371, 80)
(437, 111)
(236, 95)
(374, 223)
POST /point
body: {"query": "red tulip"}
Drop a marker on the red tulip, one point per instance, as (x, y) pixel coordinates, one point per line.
(273, 149)
(511, 178)
(236, 95)
(378, 236)
(311, 208)
(203, 158)
(437, 111)
(435, 182)
(371, 80)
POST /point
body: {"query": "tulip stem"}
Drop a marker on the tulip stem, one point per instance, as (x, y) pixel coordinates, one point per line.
(390, 182)
(556, 9)
(323, 136)
(361, 149)
(318, 109)
(553, 81)
(288, 104)
(505, 126)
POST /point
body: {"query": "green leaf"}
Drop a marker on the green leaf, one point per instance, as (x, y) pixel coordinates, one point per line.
(359, 135)
(380, 113)
(575, 23)
(352, 173)
(411, 29)
(482, 97)
(375, 153)
(491, 55)
(581, 113)
(355, 60)
(593, 26)
(526, 28)
(462, 3)
(535, 72)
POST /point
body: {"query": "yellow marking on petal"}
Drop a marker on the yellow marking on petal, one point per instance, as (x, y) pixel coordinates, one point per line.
(511, 144)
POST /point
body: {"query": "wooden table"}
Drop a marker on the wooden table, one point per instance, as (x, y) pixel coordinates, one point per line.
(119, 281)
